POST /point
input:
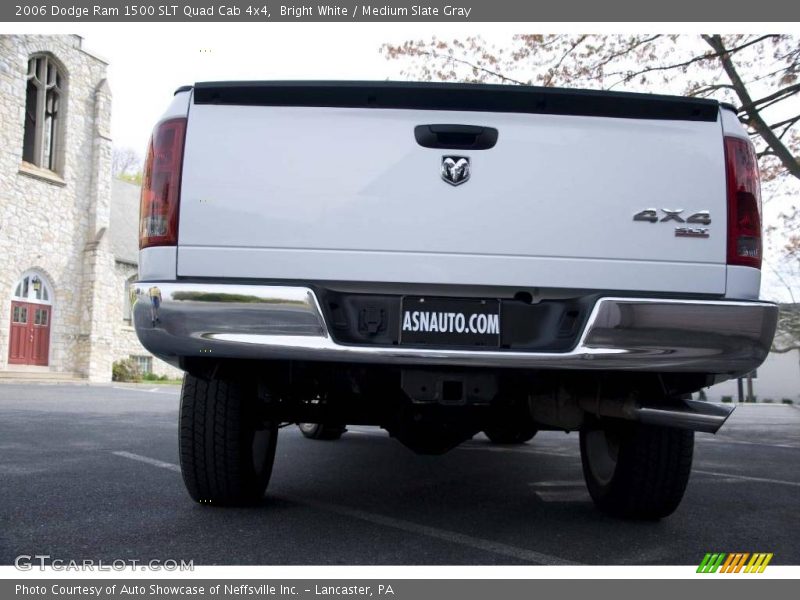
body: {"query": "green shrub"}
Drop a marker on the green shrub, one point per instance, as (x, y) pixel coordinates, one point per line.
(787, 401)
(727, 398)
(125, 370)
(154, 377)
(157, 378)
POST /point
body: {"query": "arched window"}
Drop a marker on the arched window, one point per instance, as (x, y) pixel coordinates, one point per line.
(43, 104)
(32, 287)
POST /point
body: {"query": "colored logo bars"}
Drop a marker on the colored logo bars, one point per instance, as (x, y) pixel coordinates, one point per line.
(734, 562)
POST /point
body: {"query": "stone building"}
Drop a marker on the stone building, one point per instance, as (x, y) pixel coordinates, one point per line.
(62, 273)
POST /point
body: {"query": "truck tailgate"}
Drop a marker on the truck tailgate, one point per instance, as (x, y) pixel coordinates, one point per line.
(347, 193)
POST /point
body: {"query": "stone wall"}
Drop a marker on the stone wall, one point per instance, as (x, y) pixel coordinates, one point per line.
(54, 222)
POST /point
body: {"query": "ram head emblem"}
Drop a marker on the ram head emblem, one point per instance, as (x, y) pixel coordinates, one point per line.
(455, 169)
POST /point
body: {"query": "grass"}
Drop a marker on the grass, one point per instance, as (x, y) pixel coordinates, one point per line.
(163, 379)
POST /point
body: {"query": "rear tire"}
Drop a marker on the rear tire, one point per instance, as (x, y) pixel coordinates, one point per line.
(226, 449)
(636, 471)
(319, 431)
(509, 434)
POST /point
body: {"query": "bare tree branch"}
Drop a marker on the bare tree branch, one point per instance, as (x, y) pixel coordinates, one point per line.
(787, 91)
(754, 116)
(566, 53)
(704, 57)
(710, 88)
(615, 55)
(790, 121)
(471, 65)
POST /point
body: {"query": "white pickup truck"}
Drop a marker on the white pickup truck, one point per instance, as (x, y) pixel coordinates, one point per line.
(441, 260)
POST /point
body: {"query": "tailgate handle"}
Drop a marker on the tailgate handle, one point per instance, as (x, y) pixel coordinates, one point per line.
(461, 137)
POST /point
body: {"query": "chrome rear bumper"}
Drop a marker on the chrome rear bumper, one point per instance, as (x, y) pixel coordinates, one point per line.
(178, 319)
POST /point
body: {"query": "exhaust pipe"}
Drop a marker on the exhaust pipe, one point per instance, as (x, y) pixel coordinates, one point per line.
(695, 415)
(689, 414)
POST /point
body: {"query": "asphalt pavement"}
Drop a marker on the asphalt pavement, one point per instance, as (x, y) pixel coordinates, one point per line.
(90, 472)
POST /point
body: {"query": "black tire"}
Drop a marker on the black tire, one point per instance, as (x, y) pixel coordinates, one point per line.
(226, 450)
(509, 434)
(320, 431)
(636, 471)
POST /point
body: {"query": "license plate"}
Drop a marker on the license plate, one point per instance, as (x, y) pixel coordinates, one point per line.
(450, 321)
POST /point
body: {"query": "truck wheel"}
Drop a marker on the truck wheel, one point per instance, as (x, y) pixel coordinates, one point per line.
(501, 434)
(318, 431)
(226, 449)
(636, 471)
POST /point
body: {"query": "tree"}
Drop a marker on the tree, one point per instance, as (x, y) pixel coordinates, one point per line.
(788, 337)
(134, 178)
(757, 73)
(125, 164)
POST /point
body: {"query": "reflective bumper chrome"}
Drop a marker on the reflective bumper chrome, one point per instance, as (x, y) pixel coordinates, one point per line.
(278, 322)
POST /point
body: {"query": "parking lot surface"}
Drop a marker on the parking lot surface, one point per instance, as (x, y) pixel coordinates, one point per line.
(90, 472)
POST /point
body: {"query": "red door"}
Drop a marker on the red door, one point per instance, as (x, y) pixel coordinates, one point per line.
(29, 342)
(18, 340)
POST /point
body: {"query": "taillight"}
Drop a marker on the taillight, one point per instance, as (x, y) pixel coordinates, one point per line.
(161, 185)
(744, 203)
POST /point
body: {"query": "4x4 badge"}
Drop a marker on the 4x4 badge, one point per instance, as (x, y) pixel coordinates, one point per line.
(455, 169)
(651, 216)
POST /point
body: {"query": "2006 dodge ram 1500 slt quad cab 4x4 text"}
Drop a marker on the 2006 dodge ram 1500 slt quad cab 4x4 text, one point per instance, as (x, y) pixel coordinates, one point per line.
(443, 259)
